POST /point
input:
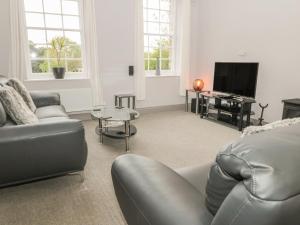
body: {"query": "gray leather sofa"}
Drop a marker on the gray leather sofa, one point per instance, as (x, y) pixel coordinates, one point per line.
(254, 181)
(55, 146)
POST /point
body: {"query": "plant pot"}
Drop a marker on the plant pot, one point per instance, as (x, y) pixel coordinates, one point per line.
(59, 72)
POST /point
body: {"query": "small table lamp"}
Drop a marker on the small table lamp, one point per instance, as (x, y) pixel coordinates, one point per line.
(198, 85)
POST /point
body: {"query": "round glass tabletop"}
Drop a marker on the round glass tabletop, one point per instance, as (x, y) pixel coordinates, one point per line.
(112, 113)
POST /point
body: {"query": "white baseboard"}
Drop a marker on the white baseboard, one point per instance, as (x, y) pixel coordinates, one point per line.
(86, 115)
(164, 108)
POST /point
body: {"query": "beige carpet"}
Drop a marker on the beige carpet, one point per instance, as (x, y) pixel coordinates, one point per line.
(175, 138)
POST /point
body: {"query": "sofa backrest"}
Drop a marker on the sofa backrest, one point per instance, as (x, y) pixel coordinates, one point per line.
(257, 180)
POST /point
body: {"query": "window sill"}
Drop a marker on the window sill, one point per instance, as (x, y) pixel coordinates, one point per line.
(161, 76)
(60, 80)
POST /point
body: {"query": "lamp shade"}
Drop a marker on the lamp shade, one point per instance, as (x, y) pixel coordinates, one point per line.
(198, 85)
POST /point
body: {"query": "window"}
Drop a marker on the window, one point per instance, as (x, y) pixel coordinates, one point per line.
(159, 26)
(49, 22)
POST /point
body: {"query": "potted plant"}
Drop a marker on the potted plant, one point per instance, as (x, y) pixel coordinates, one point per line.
(58, 45)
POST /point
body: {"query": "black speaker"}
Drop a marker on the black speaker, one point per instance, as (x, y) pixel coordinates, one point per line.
(131, 70)
(193, 105)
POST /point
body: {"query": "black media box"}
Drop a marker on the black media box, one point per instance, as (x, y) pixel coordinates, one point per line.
(193, 105)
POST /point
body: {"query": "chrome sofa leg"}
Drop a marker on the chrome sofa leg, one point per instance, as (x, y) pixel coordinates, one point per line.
(80, 173)
(82, 176)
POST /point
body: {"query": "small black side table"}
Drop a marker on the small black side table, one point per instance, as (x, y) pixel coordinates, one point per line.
(291, 108)
(130, 98)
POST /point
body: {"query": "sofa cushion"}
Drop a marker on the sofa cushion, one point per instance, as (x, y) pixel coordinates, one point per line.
(2, 115)
(152, 193)
(21, 89)
(266, 164)
(196, 175)
(15, 106)
(51, 111)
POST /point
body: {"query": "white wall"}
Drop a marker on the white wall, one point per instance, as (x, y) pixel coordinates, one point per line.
(115, 20)
(267, 31)
(116, 41)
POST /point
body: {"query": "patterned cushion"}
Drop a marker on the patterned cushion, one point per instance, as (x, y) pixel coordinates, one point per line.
(2, 116)
(281, 123)
(16, 107)
(21, 89)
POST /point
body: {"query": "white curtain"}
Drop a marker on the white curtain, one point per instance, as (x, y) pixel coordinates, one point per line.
(139, 75)
(92, 51)
(183, 43)
(18, 67)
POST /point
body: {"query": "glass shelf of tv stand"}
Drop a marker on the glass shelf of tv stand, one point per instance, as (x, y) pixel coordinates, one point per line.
(229, 98)
(227, 109)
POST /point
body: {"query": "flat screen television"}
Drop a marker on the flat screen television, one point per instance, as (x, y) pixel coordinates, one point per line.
(236, 78)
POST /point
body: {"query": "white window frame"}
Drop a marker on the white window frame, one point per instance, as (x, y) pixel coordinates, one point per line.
(49, 75)
(172, 36)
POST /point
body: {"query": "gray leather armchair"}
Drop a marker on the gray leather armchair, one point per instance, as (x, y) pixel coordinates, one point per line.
(54, 146)
(253, 181)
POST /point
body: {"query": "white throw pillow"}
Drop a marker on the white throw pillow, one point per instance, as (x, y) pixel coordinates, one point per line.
(22, 90)
(16, 107)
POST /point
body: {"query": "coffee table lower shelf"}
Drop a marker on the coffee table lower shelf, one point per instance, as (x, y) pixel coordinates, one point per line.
(117, 132)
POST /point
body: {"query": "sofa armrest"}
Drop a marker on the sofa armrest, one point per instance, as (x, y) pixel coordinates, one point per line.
(42, 99)
(151, 193)
(30, 152)
(38, 130)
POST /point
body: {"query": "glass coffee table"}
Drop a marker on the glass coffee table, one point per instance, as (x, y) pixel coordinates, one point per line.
(114, 122)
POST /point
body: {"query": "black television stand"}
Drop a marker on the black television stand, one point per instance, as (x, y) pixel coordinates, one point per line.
(230, 108)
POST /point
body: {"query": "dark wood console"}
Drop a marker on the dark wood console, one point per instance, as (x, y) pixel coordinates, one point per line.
(291, 108)
(229, 109)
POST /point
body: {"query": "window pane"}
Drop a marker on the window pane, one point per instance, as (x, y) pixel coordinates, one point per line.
(164, 17)
(145, 3)
(70, 7)
(51, 52)
(166, 42)
(73, 51)
(37, 36)
(71, 22)
(73, 36)
(154, 41)
(33, 5)
(35, 20)
(74, 66)
(53, 34)
(146, 52)
(153, 28)
(52, 6)
(53, 21)
(153, 4)
(164, 28)
(152, 64)
(55, 63)
(158, 29)
(165, 65)
(153, 15)
(37, 51)
(165, 53)
(146, 64)
(165, 4)
(39, 66)
(154, 53)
